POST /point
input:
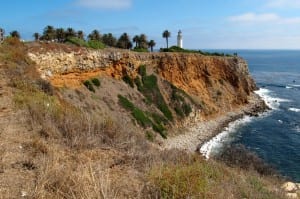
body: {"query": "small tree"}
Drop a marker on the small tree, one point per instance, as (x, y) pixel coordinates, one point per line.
(95, 35)
(80, 34)
(70, 32)
(136, 40)
(151, 44)
(166, 34)
(109, 40)
(49, 33)
(143, 43)
(60, 34)
(124, 41)
(36, 36)
(15, 34)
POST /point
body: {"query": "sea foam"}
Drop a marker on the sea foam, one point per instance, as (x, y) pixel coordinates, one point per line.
(294, 110)
(214, 145)
(272, 102)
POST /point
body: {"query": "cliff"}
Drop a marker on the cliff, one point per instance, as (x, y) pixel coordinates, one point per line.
(216, 84)
(70, 141)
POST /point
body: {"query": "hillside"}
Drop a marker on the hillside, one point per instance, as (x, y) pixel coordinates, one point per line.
(79, 123)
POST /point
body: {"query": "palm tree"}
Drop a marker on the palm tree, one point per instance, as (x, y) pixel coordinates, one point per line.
(124, 41)
(80, 34)
(36, 36)
(49, 33)
(151, 44)
(109, 40)
(70, 33)
(60, 34)
(95, 35)
(15, 34)
(136, 40)
(166, 34)
(143, 43)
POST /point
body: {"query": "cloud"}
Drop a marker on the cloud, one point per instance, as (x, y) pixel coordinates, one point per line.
(284, 3)
(264, 18)
(105, 4)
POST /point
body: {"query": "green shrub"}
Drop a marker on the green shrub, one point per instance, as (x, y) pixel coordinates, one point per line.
(178, 49)
(76, 41)
(95, 44)
(179, 111)
(153, 94)
(186, 109)
(140, 50)
(159, 119)
(160, 129)
(89, 85)
(142, 70)
(128, 80)
(141, 118)
(149, 136)
(138, 83)
(125, 103)
(96, 82)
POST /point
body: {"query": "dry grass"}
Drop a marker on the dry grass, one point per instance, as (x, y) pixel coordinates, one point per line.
(197, 178)
(73, 181)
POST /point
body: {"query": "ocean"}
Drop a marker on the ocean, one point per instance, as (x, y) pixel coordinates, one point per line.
(275, 135)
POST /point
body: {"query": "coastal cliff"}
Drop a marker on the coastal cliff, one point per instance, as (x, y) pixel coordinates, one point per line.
(216, 84)
(98, 118)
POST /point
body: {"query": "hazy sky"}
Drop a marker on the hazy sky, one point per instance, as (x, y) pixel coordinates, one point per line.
(222, 24)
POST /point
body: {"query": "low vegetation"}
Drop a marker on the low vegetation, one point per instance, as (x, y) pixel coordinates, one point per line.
(181, 50)
(141, 117)
(89, 84)
(194, 177)
(82, 43)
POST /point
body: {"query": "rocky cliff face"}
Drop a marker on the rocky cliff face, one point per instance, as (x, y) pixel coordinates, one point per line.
(216, 84)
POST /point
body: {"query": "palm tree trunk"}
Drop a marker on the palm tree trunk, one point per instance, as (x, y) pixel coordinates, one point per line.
(167, 42)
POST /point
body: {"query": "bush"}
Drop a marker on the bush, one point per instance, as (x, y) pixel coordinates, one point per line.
(89, 85)
(153, 94)
(128, 80)
(141, 118)
(159, 119)
(95, 44)
(140, 50)
(77, 41)
(138, 83)
(96, 82)
(125, 103)
(179, 111)
(186, 109)
(239, 156)
(149, 136)
(143, 70)
(159, 129)
(178, 49)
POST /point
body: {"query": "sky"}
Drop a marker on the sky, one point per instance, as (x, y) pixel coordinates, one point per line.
(205, 24)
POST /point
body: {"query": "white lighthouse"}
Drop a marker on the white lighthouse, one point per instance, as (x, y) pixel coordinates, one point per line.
(179, 39)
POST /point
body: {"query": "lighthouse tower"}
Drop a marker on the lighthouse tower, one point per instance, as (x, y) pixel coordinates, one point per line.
(179, 39)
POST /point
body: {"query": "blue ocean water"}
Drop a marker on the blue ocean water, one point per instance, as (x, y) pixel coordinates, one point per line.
(274, 136)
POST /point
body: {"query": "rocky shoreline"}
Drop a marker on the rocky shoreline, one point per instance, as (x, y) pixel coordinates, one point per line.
(202, 131)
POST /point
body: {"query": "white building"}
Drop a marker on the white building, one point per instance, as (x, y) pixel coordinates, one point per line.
(1, 35)
(179, 39)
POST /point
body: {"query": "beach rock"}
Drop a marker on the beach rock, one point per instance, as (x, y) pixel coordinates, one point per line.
(290, 187)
